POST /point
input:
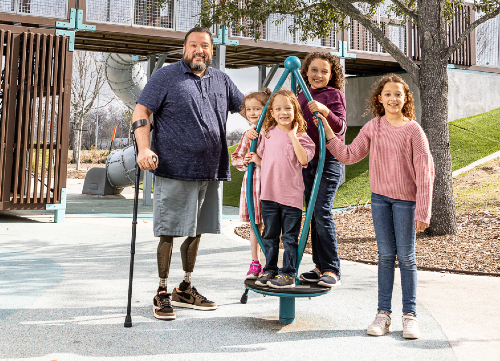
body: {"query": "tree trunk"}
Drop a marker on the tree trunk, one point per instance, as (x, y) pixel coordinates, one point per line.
(77, 144)
(434, 98)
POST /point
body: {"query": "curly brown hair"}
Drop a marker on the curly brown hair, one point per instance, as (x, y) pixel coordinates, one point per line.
(261, 96)
(269, 121)
(337, 81)
(374, 106)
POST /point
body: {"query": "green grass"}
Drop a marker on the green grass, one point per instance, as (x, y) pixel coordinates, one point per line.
(474, 138)
(232, 189)
(471, 139)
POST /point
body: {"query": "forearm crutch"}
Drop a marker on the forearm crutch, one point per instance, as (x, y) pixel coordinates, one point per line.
(135, 125)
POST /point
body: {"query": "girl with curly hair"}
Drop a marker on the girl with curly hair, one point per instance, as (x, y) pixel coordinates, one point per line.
(323, 75)
(401, 180)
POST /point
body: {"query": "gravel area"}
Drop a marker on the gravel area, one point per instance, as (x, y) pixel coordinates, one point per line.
(474, 249)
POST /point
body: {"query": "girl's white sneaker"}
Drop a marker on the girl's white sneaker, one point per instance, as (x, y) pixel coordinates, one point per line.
(381, 325)
(410, 326)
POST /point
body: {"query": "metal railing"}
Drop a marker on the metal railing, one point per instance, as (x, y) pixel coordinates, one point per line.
(178, 15)
(52, 8)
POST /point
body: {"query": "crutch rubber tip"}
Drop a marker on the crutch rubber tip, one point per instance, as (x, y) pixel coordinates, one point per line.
(128, 321)
(244, 297)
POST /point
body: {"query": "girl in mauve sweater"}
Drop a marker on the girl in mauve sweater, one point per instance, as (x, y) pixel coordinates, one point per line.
(401, 180)
(323, 74)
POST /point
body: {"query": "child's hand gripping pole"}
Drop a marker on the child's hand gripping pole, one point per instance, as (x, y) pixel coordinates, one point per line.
(251, 166)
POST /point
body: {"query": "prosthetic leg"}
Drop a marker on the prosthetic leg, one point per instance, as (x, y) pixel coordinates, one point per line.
(189, 250)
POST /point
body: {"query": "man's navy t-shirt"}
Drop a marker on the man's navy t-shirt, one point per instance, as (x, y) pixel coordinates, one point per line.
(190, 115)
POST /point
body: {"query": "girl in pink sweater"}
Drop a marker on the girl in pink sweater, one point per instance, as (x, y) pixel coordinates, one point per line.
(401, 180)
(284, 150)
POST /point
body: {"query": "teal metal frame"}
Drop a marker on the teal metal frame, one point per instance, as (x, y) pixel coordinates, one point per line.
(287, 301)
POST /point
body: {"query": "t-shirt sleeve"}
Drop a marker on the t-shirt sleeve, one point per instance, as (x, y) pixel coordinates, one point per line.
(308, 144)
(262, 144)
(154, 92)
(235, 97)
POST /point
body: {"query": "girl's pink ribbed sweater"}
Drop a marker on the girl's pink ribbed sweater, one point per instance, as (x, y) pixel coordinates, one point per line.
(401, 165)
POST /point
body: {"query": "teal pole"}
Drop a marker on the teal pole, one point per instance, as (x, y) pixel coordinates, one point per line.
(287, 310)
(292, 64)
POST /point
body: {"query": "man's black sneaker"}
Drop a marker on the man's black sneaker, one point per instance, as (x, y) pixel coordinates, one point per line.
(190, 298)
(311, 276)
(162, 306)
(329, 279)
(266, 276)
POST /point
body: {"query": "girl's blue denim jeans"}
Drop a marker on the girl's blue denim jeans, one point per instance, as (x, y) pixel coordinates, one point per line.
(323, 233)
(280, 220)
(394, 220)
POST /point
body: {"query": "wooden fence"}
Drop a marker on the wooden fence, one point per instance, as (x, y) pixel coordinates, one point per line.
(34, 109)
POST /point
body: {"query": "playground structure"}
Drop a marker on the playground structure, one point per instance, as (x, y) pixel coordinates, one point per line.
(35, 108)
(287, 296)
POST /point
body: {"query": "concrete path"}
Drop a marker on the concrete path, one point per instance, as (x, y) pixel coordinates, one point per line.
(63, 296)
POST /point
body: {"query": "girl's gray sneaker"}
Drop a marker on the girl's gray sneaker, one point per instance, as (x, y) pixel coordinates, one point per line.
(265, 277)
(282, 281)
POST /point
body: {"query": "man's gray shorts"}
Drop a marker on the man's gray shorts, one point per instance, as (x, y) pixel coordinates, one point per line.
(186, 208)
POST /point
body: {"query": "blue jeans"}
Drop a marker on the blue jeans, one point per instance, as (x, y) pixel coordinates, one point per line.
(280, 220)
(394, 222)
(323, 234)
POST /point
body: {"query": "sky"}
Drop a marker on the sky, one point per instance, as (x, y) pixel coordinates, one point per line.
(247, 82)
(245, 79)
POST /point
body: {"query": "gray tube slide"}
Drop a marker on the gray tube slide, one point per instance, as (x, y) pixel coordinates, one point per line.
(127, 78)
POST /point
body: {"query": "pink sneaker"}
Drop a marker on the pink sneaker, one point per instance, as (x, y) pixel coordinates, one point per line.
(254, 271)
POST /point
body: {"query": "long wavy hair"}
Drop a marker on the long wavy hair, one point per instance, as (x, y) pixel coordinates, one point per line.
(374, 106)
(337, 81)
(298, 116)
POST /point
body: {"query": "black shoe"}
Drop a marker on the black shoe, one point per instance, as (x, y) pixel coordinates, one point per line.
(312, 276)
(266, 276)
(329, 279)
(191, 298)
(162, 306)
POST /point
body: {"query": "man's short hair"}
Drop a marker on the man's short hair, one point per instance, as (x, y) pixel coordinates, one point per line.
(199, 29)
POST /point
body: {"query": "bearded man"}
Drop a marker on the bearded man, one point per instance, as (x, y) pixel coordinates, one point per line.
(190, 102)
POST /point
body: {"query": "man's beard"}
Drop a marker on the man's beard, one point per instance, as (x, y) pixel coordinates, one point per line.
(198, 66)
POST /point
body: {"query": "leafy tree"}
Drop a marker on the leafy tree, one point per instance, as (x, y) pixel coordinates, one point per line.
(317, 18)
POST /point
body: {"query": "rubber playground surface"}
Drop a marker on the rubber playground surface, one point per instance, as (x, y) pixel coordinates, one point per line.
(63, 296)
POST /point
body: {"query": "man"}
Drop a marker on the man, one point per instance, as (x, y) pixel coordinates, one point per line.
(190, 102)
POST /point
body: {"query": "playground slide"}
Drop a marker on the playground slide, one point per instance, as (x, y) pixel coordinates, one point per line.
(127, 78)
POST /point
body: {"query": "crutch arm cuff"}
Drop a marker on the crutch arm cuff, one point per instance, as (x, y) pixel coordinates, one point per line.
(139, 123)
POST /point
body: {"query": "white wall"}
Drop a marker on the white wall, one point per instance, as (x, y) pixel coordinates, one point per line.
(469, 93)
(358, 89)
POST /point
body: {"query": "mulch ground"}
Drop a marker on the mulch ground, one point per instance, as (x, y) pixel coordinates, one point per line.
(473, 250)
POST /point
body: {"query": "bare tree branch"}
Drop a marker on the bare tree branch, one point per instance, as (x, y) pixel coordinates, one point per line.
(405, 62)
(461, 39)
(412, 14)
